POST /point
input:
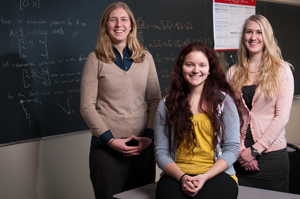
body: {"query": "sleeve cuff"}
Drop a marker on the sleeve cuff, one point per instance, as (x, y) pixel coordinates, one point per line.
(259, 147)
(103, 139)
(149, 133)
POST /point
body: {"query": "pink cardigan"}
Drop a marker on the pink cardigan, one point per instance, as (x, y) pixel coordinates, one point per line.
(268, 117)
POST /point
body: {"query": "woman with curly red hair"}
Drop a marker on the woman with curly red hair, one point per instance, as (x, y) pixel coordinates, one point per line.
(197, 129)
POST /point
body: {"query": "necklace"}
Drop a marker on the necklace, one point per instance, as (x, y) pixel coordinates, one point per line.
(254, 71)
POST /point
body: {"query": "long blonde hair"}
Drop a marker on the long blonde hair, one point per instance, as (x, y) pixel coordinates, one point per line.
(270, 64)
(104, 46)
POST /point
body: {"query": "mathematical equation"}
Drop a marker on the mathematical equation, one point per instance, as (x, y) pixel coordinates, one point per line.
(158, 58)
(177, 43)
(34, 46)
(33, 42)
(163, 25)
(27, 4)
(164, 73)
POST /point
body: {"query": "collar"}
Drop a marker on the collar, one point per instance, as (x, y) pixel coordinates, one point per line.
(127, 52)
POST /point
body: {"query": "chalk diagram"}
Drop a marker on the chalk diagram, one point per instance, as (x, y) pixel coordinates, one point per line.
(68, 109)
(41, 77)
(28, 115)
(25, 47)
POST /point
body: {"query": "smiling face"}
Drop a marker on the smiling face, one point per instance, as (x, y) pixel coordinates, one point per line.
(195, 69)
(253, 38)
(118, 26)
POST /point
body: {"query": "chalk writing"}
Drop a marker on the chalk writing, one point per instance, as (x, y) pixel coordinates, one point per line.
(177, 43)
(5, 21)
(164, 74)
(166, 90)
(159, 58)
(163, 25)
(29, 4)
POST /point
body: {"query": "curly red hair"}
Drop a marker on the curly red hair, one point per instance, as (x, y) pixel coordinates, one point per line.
(177, 101)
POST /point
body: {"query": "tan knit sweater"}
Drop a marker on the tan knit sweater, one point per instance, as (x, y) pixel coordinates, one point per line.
(119, 101)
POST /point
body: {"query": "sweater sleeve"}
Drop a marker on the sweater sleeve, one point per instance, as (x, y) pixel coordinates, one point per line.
(230, 117)
(282, 110)
(153, 93)
(161, 132)
(89, 95)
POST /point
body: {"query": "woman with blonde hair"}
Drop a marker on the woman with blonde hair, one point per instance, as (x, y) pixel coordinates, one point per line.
(117, 78)
(265, 84)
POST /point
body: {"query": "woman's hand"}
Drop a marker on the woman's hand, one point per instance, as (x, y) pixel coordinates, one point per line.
(252, 166)
(120, 145)
(144, 142)
(192, 185)
(187, 186)
(245, 157)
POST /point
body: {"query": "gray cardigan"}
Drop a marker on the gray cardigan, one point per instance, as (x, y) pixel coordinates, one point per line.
(228, 152)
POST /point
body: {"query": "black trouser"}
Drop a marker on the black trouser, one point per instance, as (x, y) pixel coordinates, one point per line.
(221, 186)
(111, 172)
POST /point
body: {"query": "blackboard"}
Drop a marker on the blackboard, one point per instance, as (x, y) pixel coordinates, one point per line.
(44, 45)
(285, 20)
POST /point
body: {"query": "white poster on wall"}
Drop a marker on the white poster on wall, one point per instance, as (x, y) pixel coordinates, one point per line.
(229, 17)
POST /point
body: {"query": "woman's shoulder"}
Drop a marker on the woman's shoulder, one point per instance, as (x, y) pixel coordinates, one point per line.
(285, 71)
(148, 58)
(228, 98)
(224, 97)
(147, 53)
(162, 108)
(232, 68)
(230, 72)
(93, 56)
(162, 102)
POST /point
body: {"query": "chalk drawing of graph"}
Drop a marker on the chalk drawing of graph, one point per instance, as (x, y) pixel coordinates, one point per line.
(30, 75)
(28, 115)
(67, 109)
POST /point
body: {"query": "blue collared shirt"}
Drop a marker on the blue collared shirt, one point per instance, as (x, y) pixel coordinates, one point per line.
(126, 62)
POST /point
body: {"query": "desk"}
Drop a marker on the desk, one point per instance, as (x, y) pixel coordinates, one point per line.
(148, 192)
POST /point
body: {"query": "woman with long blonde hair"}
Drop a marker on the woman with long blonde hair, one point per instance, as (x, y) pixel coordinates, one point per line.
(265, 84)
(117, 78)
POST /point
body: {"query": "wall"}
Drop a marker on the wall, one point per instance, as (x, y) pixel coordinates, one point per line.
(47, 169)
(293, 127)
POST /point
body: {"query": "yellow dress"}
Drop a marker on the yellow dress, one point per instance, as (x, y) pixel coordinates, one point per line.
(203, 157)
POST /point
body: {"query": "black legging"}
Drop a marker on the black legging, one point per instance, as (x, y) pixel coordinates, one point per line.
(221, 186)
